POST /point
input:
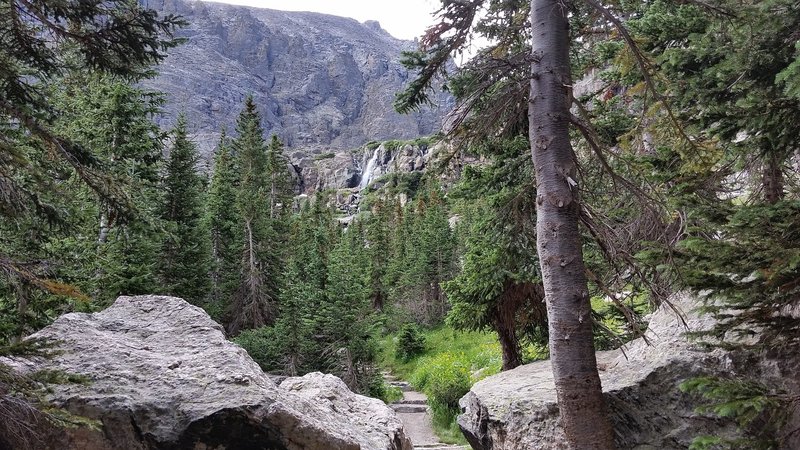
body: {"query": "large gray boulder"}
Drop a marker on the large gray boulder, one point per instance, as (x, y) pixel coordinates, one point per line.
(517, 409)
(162, 376)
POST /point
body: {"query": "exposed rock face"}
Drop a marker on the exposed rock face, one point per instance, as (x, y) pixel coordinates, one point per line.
(517, 409)
(358, 169)
(321, 81)
(163, 376)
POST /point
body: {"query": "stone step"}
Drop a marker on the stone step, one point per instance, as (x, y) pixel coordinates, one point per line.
(403, 385)
(446, 447)
(401, 408)
(411, 402)
(440, 446)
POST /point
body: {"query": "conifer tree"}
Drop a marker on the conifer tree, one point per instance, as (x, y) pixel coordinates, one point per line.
(438, 250)
(313, 239)
(378, 251)
(498, 286)
(549, 79)
(280, 182)
(113, 119)
(222, 222)
(422, 258)
(122, 38)
(255, 300)
(346, 317)
(184, 262)
(294, 323)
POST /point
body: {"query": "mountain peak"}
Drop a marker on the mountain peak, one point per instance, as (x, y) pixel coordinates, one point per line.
(320, 81)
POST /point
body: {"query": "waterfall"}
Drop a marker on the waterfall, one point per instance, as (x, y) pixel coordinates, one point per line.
(366, 174)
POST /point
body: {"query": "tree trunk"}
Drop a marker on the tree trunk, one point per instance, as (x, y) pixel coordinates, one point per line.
(377, 300)
(580, 396)
(772, 179)
(509, 344)
(102, 235)
(23, 296)
(504, 322)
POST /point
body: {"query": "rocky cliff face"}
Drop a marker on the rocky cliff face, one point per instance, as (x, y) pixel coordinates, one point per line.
(322, 82)
(517, 409)
(161, 375)
(358, 169)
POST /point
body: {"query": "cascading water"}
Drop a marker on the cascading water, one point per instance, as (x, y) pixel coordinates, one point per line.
(366, 174)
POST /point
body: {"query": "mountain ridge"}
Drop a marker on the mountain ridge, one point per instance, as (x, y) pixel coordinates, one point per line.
(322, 82)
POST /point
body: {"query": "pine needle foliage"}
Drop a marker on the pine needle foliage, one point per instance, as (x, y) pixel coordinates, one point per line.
(184, 262)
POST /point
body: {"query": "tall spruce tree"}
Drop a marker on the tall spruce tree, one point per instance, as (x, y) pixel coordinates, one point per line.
(558, 239)
(279, 182)
(184, 262)
(222, 222)
(313, 238)
(255, 300)
(112, 118)
(346, 318)
(378, 241)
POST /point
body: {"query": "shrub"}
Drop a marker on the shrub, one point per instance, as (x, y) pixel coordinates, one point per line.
(380, 389)
(407, 183)
(444, 378)
(322, 156)
(263, 345)
(393, 145)
(410, 342)
(423, 142)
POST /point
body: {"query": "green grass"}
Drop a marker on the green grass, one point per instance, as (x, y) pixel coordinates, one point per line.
(454, 360)
(480, 350)
(323, 156)
(445, 370)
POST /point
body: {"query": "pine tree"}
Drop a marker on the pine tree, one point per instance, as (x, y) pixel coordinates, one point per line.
(113, 118)
(118, 37)
(422, 254)
(727, 76)
(498, 286)
(280, 182)
(347, 319)
(294, 323)
(255, 300)
(184, 262)
(438, 250)
(222, 222)
(378, 251)
(581, 403)
(314, 235)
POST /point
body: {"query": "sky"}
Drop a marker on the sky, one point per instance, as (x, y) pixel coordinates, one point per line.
(404, 19)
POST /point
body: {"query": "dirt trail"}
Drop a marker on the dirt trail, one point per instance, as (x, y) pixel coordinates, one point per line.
(412, 410)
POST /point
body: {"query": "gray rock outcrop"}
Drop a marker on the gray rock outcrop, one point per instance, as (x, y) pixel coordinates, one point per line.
(321, 82)
(358, 169)
(162, 376)
(517, 409)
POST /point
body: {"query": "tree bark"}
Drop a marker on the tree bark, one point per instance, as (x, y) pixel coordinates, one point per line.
(772, 179)
(509, 344)
(580, 397)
